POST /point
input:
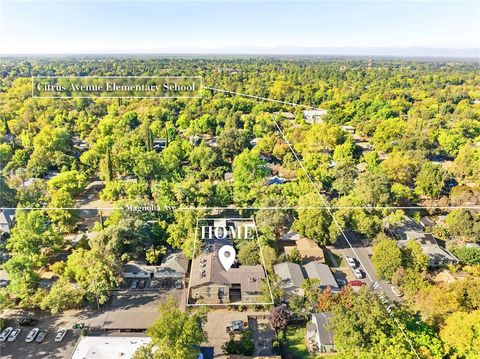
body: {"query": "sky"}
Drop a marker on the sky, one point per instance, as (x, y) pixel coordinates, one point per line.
(289, 27)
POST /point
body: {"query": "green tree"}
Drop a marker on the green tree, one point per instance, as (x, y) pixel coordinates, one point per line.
(63, 219)
(96, 271)
(232, 142)
(243, 346)
(461, 335)
(248, 170)
(314, 223)
(248, 253)
(414, 257)
(62, 295)
(175, 334)
(32, 238)
(295, 256)
(386, 257)
(372, 190)
(430, 180)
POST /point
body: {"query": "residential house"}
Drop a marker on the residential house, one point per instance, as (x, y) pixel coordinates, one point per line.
(308, 249)
(7, 221)
(274, 180)
(349, 129)
(314, 117)
(210, 283)
(291, 276)
(408, 229)
(319, 335)
(195, 140)
(158, 144)
(174, 266)
(286, 115)
(322, 272)
(291, 236)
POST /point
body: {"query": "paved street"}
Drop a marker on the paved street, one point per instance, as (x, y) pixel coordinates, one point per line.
(362, 251)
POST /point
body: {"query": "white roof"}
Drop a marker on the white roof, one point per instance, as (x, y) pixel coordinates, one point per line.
(108, 347)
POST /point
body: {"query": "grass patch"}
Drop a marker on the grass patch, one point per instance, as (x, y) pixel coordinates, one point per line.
(294, 343)
(338, 259)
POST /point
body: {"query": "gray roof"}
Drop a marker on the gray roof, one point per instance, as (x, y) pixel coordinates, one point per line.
(7, 217)
(173, 265)
(290, 273)
(320, 271)
(207, 269)
(322, 321)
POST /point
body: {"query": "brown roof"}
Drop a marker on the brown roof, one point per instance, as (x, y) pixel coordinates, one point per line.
(207, 269)
(309, 249)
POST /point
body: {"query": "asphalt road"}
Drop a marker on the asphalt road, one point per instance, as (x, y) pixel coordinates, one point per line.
(362, 251)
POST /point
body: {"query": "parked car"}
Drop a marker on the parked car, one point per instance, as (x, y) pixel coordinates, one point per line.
(91, 195)
(41, 336)
(178, 284)
(60, 335)
(28, 322)
(5, 334)
(397, 292)
(31, 335)
(142, 284)
(351, 262)
(356, 283)
(358, 273)
(78, 326)
(341, 282)
(236, 326)
(14, 335)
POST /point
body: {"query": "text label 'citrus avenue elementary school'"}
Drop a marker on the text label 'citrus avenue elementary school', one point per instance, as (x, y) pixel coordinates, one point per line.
(117, 87)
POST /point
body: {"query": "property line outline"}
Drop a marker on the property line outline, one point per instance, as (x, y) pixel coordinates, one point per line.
(240, 208)
(187, 296)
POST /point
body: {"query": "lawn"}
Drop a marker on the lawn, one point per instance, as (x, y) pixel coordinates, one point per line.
(294, 344)
(338, 258)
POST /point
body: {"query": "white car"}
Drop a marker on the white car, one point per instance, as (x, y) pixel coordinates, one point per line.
(60, 335)
(5, 334)
(351, 262)
(31, 335)
(14, 335)
(358, 273)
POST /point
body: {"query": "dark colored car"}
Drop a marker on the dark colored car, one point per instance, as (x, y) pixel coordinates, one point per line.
(356, 283)
(41, 336)
(28, 322)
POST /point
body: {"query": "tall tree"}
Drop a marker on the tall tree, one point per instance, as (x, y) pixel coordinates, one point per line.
(175, 334)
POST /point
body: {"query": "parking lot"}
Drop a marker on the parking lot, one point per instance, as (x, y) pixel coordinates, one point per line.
(19, 349)
(147, 284)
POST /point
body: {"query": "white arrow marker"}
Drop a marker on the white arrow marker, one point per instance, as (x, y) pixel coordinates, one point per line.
(226, 254)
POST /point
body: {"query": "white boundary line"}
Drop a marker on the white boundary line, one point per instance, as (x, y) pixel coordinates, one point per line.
(261, 98)
(187, 296)
(241, 208)
(337, 224)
